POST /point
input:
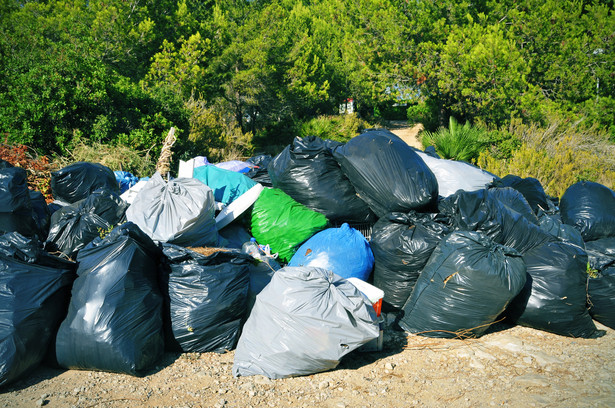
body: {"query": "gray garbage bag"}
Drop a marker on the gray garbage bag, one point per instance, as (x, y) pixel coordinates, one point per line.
(181, 212)
(303, 323)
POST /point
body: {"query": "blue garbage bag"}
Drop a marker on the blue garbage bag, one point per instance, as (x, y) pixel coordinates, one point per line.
(343, 251)
(125, 180)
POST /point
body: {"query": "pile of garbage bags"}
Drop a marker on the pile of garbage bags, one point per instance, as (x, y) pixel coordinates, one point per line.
(260, 256)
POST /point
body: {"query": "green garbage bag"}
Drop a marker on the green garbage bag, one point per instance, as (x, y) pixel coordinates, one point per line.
(283, 223)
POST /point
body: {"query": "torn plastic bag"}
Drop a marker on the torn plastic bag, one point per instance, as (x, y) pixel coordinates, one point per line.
(16, 211)
(307, 171)
(467, 283)
(387, 173)
(283, 223)
(343, 251)
(531, 189)
(179, 212)
(502, 214)
(75, 182)
(456, 175)
(259, 172)
(226, 185)
(590, 207)
(75, 226)
(34, 296)
(206, 299)
(553, 225)
(554, 295)
(235, 165)
(303, 323)
(402, 244)
(114, 320)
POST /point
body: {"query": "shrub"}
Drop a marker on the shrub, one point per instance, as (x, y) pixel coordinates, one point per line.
(139, 163)
(557, 156)
(341, 128)
(457, 142)
(37, 167)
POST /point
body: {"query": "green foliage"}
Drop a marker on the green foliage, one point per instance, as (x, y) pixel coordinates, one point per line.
(340, 128)
(423, 112)
(558, 156)
(457, 142)
(139, 163)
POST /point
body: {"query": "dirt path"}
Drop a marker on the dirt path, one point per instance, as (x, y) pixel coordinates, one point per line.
(409, 134)
(517, 367)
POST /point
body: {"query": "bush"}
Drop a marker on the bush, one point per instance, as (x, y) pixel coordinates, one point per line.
(457, 142)
(139, 163)
(341, 128)
(425, 113)
(558, 156)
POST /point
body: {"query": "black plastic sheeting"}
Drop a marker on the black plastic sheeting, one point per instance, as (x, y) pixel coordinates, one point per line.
(590, 207)
(206, 299)
(307, 171)
(17, 212)
(601, 286)
(387, 173)
(75, 226)
(114, 320)
(468, 281)
(33, 302)
(554, 295)
(531, 189)
(260, 172)
(402, 244)
(502, 214)
(75, 182)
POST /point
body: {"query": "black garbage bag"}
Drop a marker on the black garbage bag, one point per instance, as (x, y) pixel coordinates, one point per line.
(402, 244)
(206, 298)
(552, 224)
(601, 280)
(387, 173)
(259, 172)
(75, 226)
(16, 211)
(502, 214)
(554, 295)
(601, 296)
(307, 171)
(590, 207)
(468, 281)
(75, 182)
(302, 323)
(40, 213)
(531, 189)
(5, 165)
(34, 296)
(114, 320)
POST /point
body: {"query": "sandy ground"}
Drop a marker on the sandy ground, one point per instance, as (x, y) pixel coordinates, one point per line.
(515, 367)
(408, 134)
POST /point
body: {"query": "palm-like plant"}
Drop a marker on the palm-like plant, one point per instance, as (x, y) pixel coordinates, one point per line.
(457, 142)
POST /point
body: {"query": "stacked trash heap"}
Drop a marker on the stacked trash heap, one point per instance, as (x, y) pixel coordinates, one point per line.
(290, 259)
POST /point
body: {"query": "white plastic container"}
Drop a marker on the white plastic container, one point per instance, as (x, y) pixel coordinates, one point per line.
(238, 206)
(374, 294)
